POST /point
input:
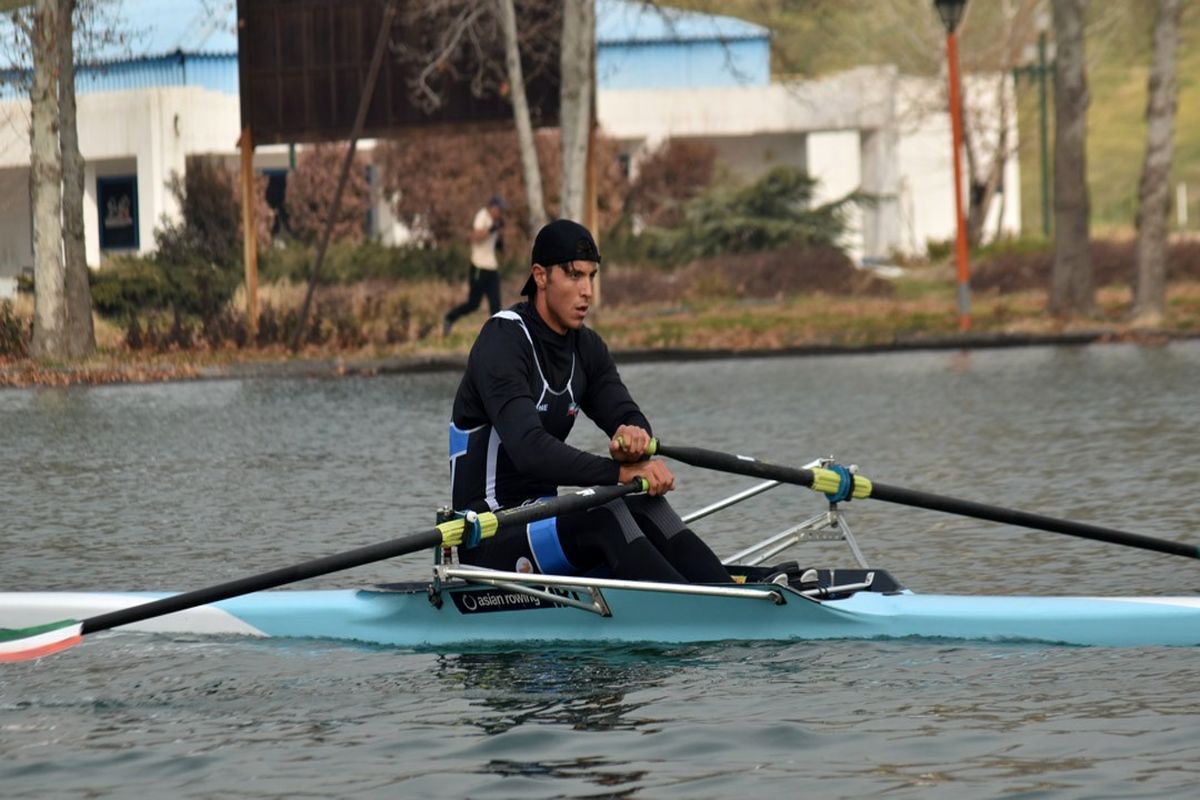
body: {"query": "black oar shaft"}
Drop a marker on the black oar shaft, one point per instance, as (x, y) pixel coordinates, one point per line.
(521, 515)
(266, 580)
(743, 465)
(968, 508)
(739, 465)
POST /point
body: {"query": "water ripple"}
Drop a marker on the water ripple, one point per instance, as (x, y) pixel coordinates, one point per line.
(181, 485)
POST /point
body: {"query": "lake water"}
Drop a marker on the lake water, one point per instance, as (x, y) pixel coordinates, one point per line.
(178, 486)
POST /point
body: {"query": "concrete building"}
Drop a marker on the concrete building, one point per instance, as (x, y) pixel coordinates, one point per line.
(661, 73)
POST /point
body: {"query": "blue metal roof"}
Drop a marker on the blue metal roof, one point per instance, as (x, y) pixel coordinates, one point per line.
(627, 21)
(210, 26)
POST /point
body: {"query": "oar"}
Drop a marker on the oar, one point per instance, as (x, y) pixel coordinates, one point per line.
(832, 482)
(41, 640)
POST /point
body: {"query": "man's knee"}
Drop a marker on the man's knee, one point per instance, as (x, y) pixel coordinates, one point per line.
(657, 512)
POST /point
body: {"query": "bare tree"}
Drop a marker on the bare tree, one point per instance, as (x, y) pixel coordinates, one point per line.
(49, 309)
(478, 42)
(80, 331)
(841, 34)
(986, 122)
(1149, 301)
(1071, 289)
(516, 88)
(577, 58)
(43, 46)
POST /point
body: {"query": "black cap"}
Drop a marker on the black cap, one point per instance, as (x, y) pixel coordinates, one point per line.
(559, 242)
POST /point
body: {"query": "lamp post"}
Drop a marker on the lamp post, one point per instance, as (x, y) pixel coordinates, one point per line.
(951, 12)
(1040, 71)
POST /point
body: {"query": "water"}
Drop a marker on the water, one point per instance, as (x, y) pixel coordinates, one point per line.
(183, 485)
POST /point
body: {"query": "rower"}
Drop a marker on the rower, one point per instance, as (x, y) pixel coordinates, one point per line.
(532, 369)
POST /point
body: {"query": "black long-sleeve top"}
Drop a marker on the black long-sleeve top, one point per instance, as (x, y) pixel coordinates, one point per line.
(509, 427)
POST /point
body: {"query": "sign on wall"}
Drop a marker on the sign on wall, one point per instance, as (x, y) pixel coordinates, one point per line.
(116, 202)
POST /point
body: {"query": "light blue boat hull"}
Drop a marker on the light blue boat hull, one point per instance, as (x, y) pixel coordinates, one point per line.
(396, 619)
(476, 615)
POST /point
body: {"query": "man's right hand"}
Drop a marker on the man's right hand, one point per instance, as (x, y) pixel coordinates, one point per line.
(656, 473)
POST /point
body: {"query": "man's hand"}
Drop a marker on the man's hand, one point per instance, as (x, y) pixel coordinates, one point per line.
(629, 444)
(656, 473)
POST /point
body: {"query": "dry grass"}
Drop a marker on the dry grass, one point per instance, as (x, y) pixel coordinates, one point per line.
(921, 309)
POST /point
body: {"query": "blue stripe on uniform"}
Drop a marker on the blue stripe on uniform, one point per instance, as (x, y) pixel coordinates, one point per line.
(547, 551)
(458, 440)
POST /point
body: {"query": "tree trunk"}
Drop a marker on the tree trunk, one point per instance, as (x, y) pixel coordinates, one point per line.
(578, 50)
(516, 81)
(1150, 292)
(1071, 290)
(80, 332)
(983, 188)
(49, 314)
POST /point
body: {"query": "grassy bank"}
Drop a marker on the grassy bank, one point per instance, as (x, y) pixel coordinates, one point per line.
(918, 308)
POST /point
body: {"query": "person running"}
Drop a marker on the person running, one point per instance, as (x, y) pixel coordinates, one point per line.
(532, 370)
(487, 239)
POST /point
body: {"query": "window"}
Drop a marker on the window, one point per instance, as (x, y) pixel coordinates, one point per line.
(276, 198)
(116, 201)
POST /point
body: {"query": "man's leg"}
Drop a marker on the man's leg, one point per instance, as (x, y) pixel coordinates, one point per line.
(474, 296)
(508, 550)
(610, 536)
(686, 551)
(490, 279)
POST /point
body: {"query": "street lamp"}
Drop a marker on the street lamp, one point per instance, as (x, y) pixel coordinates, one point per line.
(951, 12)
(1038, 67)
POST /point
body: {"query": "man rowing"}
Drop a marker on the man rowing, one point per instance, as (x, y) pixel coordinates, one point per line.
(532, 369)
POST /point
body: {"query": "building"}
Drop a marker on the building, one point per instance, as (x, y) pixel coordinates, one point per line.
(661, 73)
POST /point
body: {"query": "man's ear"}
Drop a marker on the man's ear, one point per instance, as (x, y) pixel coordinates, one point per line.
(540, 276)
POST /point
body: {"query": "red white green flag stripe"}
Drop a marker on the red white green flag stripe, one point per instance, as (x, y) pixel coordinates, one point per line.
(28, 643)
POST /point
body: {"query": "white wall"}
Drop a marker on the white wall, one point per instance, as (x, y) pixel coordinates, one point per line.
(16, 232)
(145, 132)
(867, 128)
(926, 151)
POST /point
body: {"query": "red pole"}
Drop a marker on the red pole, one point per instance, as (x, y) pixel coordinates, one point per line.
(960, 241)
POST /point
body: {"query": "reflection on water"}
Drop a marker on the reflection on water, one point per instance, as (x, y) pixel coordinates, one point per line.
(598, 771)
(582, 690)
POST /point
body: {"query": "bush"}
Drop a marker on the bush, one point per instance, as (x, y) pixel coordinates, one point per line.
(439, 179)
(1024, 265)
(346, 263)
(127, 284)
(186, 285)
(773, 212)
(310, 190)
(671, 176)
(344, 317)
(210, 228)
(14, 332)
(764, 275)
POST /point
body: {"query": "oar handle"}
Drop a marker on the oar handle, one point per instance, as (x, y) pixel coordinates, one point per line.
(728, 462)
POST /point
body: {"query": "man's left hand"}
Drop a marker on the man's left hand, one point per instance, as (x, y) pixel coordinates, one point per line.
(629, 444)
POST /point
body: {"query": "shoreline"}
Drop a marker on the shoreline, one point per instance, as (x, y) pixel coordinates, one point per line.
(28, 374)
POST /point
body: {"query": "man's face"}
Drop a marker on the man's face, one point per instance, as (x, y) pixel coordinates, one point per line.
(496, 211)
(565, 293)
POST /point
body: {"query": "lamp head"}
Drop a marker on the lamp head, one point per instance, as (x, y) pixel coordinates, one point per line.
(951, 12)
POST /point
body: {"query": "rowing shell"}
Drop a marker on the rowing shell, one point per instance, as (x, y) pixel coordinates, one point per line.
(485, 607)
